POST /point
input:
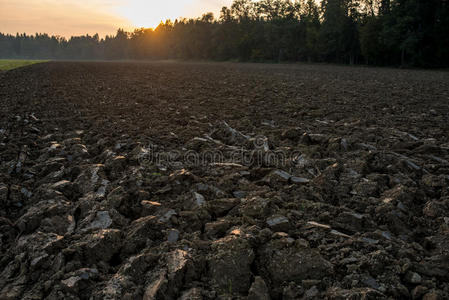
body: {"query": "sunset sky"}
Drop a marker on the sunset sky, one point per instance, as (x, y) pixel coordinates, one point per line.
(77, 17)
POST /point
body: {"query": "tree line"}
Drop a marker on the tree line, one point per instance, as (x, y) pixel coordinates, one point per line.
(376, 32)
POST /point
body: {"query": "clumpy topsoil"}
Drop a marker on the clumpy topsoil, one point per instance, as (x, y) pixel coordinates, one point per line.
(223, 181)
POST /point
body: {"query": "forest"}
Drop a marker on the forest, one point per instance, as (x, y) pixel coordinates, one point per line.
(411, 33)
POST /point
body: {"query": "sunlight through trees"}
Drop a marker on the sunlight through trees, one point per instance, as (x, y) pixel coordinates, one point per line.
(380, 32)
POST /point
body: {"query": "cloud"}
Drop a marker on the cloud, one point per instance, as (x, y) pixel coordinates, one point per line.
(77, 17)
(60, 17)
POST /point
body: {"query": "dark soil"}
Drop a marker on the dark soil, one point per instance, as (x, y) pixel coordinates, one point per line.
(228, 181)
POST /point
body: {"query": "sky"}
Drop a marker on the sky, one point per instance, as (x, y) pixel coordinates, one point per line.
(78, 17)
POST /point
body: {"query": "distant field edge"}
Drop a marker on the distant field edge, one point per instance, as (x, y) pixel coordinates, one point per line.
(10, 64)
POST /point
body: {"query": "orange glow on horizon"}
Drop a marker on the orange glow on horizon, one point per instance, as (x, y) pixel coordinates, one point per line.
(72, 17)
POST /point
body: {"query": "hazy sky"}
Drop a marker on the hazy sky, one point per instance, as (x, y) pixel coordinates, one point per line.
(76, 17)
